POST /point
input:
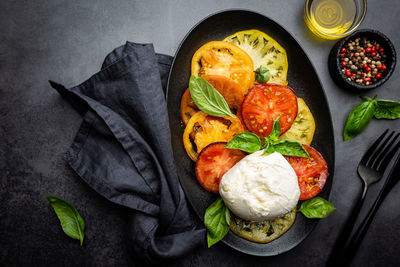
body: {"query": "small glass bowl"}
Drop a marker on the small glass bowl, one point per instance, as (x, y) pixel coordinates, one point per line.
(361, 10)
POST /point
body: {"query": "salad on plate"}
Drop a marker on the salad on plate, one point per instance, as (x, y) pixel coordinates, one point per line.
(250, 137)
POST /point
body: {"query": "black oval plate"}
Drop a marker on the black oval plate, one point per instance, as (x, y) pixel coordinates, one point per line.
(301, 77)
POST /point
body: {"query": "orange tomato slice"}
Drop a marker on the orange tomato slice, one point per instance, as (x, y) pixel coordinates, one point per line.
(188, 107)
(228, 88)
(225, 59)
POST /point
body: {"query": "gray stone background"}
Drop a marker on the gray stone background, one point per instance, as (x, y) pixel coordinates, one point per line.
(66, 41)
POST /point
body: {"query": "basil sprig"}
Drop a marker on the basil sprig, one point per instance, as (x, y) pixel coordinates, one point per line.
(71, 222)
(316, 208)
(360, 117)
(207, 98)
(250, 142)
(246, 141)
(216, 220)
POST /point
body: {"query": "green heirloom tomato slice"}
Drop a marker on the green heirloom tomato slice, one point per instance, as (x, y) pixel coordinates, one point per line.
(303, 127)
(262, 232)
(264, 51)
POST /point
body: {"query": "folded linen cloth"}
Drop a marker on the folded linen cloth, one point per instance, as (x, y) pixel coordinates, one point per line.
(123, 149)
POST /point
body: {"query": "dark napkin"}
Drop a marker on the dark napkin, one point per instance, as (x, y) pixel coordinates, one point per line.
(123, 149)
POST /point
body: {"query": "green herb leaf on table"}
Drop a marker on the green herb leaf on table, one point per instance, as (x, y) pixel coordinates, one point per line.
(262, 74)
(362, 114)
(247, 142)
(359, 118)
(291, 148)
(316, 208)
(387, 109)
(216, 220)
(207, 98)
(71, 222)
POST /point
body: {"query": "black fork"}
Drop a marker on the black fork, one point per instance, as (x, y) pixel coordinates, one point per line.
(371, 169)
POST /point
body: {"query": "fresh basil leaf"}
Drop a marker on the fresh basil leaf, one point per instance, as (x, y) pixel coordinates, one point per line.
(291, 148)
(71, 222)
(359, 118)
(207, 98)
(216, 220)
(262, 74)
(248, 142)
(387, 109)
(227, 216)
(316, 208)
(276, 130)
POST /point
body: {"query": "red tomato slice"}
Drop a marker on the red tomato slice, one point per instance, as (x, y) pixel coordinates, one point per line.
(266, 102)
(213, 162)
(312, 173)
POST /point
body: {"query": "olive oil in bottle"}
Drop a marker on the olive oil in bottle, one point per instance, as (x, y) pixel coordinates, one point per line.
(331, 17)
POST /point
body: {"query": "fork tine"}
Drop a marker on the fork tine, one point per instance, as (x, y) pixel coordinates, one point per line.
(369, 152)
(379, 152)
(386, 160)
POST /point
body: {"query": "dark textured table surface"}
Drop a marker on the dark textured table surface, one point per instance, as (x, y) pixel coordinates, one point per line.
(66, 41)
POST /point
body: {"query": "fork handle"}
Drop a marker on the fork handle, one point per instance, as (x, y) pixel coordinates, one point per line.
(357, 238)
(336, 255)
(355, 241)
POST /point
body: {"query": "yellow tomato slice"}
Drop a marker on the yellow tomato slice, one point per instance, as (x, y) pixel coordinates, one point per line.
(303, 127)
(225, 59)
(264, 51)
(203, 129)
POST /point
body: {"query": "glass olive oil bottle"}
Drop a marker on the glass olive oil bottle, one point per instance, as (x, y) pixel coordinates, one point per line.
(332, 17)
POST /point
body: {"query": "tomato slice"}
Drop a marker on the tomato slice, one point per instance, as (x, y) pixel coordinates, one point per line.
(228, 88)
(266, 102)
(264, 51)
(303, 127)
(225, 59)
(188, 107)
(312, 173)
(203, 129)
(213, 162)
